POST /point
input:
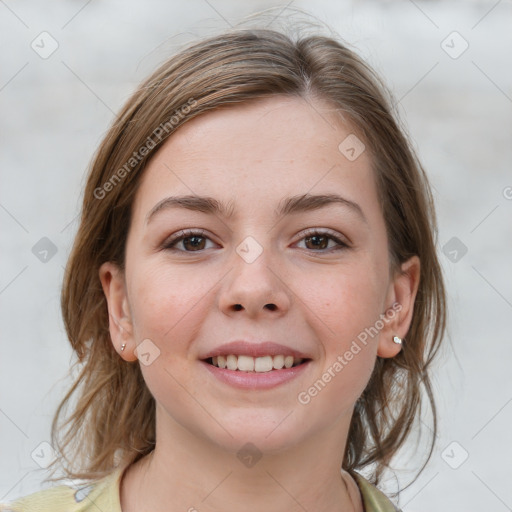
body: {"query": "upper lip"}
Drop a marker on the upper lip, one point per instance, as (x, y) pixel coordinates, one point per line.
(260, 349)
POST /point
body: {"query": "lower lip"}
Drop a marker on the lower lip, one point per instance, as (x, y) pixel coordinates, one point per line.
(256, 380)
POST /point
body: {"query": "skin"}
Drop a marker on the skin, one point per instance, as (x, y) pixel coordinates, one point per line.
(252, 156)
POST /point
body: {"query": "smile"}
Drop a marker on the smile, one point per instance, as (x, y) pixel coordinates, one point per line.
(260, 377)
(254, 364)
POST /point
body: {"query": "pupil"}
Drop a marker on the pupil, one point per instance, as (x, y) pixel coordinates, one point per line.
(195, 244)
(316, 237)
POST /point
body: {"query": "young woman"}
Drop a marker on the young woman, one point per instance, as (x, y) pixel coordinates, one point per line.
(254, 294)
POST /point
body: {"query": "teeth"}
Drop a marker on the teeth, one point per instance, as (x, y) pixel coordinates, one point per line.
(231, 362)
(261, 364)
(255, 364)
(278, 362)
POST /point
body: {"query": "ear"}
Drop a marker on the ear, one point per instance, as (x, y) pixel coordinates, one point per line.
(400, 300)
(119, 316)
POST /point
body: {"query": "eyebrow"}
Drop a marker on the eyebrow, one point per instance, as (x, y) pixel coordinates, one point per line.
(288, 206)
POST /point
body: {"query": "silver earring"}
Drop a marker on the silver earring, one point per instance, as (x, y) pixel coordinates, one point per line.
(397, 340)
(123, 346)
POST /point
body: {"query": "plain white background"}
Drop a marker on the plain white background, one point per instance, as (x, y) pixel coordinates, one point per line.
(457, 104)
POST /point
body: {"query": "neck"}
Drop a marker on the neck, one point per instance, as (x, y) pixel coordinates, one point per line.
(190, 473)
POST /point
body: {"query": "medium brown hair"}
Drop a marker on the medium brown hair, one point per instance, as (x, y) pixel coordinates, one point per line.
(113, 419)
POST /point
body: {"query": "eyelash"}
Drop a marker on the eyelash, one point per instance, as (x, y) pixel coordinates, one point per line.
(190, 233)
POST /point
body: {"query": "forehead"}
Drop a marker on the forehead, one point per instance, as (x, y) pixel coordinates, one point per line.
(254, 154)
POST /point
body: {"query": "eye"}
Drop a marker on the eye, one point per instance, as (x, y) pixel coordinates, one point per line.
(194, 241)
(191, 240)
(318, 240)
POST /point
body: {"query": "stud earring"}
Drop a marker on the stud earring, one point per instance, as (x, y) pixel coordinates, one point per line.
(397, 340)
(123, 346)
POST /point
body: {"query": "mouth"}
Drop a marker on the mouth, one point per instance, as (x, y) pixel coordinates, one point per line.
(264, 364)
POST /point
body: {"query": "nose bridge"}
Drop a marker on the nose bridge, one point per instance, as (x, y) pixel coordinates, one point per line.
(254, 282)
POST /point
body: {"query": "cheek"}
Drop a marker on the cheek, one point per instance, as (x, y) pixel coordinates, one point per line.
(347, 307)
(164, 302)
(347, 301)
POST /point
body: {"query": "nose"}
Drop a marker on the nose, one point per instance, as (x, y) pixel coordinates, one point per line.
(257, 288)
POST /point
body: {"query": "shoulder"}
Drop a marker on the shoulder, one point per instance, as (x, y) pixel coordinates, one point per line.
(103, 493)
(374, 500)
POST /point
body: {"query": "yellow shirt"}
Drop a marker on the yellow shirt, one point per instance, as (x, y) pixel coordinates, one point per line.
(103, 495)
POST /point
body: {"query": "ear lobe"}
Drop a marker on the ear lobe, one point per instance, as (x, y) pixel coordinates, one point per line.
(402, 294)
(119, 317)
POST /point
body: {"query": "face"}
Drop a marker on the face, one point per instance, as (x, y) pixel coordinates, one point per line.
(309, 275)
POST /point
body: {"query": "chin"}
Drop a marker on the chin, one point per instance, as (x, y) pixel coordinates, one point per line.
(264, 435)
